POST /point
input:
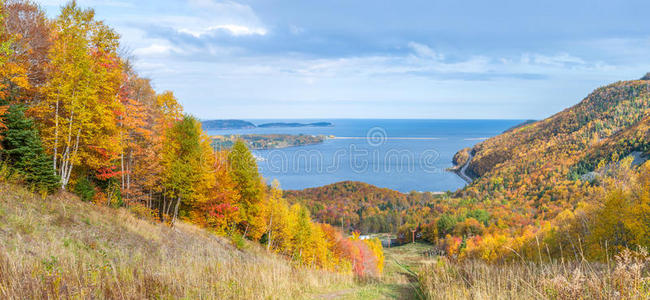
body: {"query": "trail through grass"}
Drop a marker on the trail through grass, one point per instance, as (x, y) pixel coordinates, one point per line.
(399, 280)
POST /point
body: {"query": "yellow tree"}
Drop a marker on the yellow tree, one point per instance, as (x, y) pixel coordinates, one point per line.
(249, 184)
(278, 228)
(184, 174)
(80, 108)
(216, 207)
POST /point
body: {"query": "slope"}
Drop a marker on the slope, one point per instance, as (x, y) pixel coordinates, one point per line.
(60, 247)
(536, 168)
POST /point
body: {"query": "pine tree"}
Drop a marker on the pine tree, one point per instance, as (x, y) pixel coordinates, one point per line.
(23, 149)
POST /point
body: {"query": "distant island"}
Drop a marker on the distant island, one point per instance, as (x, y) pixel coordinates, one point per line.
(241, 124)
(226, 124)
(280, 124)
(267, 141)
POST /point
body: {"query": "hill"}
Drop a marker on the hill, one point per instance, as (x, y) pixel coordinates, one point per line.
(539, 162)
(226, 124)
(60, 247)
(360, 206)
(552, 182)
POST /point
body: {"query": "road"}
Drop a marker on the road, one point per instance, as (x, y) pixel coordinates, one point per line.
(462, 170)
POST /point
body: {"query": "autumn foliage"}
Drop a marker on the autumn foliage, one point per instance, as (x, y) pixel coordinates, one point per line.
(82, 120)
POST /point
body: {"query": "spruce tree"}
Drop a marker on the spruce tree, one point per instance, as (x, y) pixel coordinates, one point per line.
(23, 150)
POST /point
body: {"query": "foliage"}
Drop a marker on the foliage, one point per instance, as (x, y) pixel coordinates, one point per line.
(22, 148)
(85, 189)
(367, 208)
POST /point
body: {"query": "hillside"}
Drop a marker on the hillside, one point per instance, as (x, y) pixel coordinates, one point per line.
(365, 207)
(539, 163)
(60, 247)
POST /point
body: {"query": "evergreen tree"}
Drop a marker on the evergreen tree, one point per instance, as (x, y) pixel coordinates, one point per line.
(23, 150)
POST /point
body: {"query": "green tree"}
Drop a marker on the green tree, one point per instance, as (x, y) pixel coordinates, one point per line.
(23, 150)
(446, 224)
(182, 163)
(247, 179)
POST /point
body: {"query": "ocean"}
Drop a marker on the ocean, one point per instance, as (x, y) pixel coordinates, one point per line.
(404, 155)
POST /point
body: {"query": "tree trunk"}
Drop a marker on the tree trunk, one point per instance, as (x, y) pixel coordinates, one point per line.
(268, 245)
(162, 210)
(56, 135)
(178, 202)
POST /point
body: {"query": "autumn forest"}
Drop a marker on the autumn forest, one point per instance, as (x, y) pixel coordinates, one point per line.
(114, 167)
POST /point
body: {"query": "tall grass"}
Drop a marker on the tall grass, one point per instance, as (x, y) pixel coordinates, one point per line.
(626, 277)
(60, 247)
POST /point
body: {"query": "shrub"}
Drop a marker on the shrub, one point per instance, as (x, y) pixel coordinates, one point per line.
(85, 189)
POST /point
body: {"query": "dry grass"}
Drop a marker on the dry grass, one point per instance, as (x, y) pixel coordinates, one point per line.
(59, 247)
(625, 278)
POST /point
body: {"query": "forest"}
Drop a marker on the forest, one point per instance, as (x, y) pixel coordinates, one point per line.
(76, 117)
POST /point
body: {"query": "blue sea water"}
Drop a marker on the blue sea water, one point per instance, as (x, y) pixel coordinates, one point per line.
(404, 155)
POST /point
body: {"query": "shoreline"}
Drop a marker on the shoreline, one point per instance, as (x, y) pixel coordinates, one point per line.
(385, 138)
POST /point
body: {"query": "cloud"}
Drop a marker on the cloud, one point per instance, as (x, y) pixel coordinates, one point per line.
(232, 17)
(155, 49)
(233, 29)
(424, 51)
(558, 60)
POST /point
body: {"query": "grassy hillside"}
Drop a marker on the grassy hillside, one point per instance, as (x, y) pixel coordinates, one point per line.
(62, 247)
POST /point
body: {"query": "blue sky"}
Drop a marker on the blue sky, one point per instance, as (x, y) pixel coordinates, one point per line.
(380, 59)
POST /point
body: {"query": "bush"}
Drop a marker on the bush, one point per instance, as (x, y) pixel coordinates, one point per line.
(238, 240)
(85, 189)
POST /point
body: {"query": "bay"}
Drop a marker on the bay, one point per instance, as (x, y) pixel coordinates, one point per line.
(404, 155)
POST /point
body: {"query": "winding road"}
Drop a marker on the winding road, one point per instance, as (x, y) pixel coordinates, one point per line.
(461, 173)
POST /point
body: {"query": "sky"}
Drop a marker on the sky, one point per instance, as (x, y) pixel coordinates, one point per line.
(428, 59)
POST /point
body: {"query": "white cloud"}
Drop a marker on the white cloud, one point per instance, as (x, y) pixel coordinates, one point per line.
(232, 17)
(233, 29)
(155, 49)
(425, 51)
(557, 60)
